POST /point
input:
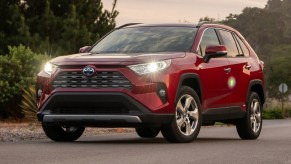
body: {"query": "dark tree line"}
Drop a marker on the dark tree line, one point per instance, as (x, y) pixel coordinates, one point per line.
(53, 27)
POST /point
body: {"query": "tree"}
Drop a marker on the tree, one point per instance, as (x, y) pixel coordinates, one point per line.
(71, 24)
(261, 27)
(207, 19)
(79, 35)
(13, 29)
(47, 26)
(274, 5)
(279, 70)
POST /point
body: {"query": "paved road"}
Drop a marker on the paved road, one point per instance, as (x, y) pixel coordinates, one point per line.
(214, 145)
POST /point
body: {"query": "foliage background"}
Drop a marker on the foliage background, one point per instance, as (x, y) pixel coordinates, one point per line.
(31, 31)
(53, 27)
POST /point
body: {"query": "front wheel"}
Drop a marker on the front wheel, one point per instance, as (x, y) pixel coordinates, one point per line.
(62, 133)
(251, 125)
(187, 121)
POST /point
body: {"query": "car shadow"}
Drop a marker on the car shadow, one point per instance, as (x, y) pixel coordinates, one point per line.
(158, 140)
(125, 141)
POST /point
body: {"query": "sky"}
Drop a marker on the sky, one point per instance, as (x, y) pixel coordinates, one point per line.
(175, 11)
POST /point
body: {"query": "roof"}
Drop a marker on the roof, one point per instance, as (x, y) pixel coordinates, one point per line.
(201, 24)
(160, 24)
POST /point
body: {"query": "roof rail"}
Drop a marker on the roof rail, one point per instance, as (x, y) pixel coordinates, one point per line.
(127, 24)
(206, 22)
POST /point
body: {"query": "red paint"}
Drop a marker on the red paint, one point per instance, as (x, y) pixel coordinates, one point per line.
(216, 92)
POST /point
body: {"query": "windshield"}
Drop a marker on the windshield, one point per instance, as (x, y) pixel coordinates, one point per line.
(147, 40)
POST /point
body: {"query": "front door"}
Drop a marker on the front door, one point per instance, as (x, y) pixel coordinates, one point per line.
(213, 75)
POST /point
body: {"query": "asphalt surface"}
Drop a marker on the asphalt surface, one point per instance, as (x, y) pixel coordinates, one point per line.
(214, 145)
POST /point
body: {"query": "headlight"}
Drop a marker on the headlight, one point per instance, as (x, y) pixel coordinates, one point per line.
(150, 67)
(50, 68)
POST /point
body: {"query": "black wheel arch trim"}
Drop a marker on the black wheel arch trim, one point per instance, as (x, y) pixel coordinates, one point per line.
(189, 76)
(256, 82)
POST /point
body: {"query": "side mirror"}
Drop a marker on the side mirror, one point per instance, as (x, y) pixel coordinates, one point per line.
(84, 49)
(214, 52)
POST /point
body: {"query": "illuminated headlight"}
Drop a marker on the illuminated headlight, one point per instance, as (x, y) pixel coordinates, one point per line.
(50, 68)
(150, 67)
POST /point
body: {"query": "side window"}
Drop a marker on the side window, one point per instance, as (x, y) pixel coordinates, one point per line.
(209, 38)
(229, 42)
(245, 50)
(240, 51)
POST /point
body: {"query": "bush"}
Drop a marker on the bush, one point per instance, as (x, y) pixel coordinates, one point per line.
(274, 113)
(18, 71)
(28, 104)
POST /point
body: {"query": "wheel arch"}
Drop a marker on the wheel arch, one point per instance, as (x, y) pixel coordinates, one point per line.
(257, 86)
(191, 80)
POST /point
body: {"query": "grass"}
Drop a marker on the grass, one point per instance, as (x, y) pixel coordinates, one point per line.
(275, 113)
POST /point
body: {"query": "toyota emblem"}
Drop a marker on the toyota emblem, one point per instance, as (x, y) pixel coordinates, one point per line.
(88, 71)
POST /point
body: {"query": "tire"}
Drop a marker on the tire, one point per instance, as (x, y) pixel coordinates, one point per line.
(186, 124)
(147, 132)
(62, 133)
(250, 126)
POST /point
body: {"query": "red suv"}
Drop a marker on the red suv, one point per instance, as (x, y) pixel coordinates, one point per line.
(172, 78)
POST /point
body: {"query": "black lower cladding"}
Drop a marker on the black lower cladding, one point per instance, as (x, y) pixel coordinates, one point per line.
(98, 109)
(226, 115)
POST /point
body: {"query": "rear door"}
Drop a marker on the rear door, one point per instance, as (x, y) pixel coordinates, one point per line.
(240, 65)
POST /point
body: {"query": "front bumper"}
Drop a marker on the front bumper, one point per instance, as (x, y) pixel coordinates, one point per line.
(99, 109)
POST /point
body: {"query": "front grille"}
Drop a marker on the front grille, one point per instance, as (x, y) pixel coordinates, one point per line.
(99, 80)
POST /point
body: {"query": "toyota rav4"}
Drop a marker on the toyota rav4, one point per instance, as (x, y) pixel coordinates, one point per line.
(172, 78)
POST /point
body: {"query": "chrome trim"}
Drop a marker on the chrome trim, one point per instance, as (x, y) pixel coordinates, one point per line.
(90, 118)
(215, 28)
(200, 40)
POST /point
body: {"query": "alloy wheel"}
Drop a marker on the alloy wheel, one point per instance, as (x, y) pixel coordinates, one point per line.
(255, 115)
(187, 115)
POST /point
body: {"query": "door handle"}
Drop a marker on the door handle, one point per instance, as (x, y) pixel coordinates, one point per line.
(248, 66)
(227, 70)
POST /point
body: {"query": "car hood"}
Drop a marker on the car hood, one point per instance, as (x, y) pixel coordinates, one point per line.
(114, 59)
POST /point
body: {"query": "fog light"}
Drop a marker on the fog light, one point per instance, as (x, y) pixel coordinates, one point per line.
(162, 92)
(39, 92)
